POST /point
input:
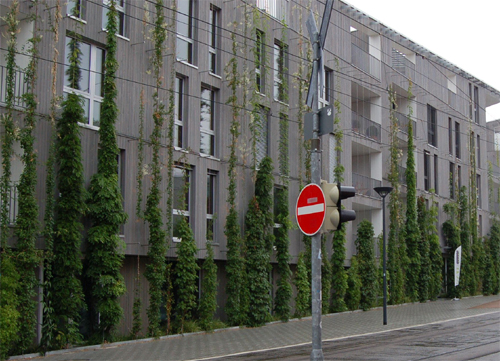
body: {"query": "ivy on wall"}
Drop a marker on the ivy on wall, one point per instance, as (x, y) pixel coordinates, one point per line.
(366, 267)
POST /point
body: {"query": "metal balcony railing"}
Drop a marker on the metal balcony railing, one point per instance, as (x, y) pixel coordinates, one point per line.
(276, 8)
(20, 87)
(403, 123)
(401, 64)
(364, 185)
(364, 61)
(12, 202)
(365, 127)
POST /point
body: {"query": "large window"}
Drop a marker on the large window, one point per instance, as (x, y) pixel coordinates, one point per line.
(478, 186)
(207, 120)
(478, 151)
(436, 172)
(280, 72)
(179, 111)
(262, 141)
(211, 184)
(260, 43)
(213, 48)
(427, 171)
(450, 136)
(457, 140)
(120, 9)
(476, 104)
(452, 180)
(431, 125)
(89, 86)
(185, 30)
(182, 193)
(76, 9)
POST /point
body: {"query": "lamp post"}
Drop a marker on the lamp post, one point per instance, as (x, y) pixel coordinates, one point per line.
(383, 192)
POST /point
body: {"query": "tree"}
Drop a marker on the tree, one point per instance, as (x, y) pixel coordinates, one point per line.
(155, 270)
(66, 288)
(412, 231)
(104, 256)
(301, 280)
(339, 275)
(451, 230)
(208, 300)
(491, 278)
(366, 264)
(467, 282)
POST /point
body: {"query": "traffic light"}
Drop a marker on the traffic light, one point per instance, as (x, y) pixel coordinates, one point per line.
(335, 215)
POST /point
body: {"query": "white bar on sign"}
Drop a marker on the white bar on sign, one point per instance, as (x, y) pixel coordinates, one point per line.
(315, 208)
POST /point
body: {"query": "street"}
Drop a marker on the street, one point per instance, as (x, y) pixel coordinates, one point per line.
(476, 338)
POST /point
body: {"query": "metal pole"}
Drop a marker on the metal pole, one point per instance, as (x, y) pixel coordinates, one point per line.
(385, 275)
(317, 352)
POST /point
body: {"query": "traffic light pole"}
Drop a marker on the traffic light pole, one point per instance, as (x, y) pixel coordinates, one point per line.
(317, 352)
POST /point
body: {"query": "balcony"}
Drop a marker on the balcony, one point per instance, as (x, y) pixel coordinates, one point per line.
(402, 65)
(364, 61)
(276, 8)
(402, 120)
(12, 202)
(366, 127)
(364, 185)
(20, 87)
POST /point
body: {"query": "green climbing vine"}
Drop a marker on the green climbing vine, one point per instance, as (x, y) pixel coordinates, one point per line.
(104, 254)
(396, 246)
(208, 299)
(424, 225)
(412, 231)
(155, 270)
(367, 269)
(27, 226)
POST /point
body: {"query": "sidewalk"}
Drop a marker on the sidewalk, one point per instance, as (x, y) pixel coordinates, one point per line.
(202, 346)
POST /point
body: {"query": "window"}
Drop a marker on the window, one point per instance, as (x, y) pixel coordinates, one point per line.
(470, 101)
(478, 186)
(452, 180)
(260, 51)
(182, 193)
(120, 9)
(478, 152)
(480, 226)
(476, 104)
(211, 182)
(213, 48)
(276, 8)
(277, 197)
(431, 126)
(76, 9)
(262, 142)
(179, 111)
(89, 86)
(185, 30)
(457, 140)
(280, 72)
(120, 160)
(427, 171)
(450, 136)
(459, 176)
(436, 172)
(207, 133)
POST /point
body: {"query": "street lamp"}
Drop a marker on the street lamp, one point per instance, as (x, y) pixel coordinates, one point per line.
(383, 191)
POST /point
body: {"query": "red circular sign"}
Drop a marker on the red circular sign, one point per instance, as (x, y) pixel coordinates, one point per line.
(310, 210)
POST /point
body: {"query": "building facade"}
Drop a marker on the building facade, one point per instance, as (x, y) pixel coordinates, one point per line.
(362, 60)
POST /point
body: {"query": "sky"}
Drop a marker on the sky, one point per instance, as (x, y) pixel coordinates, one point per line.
(465, 33)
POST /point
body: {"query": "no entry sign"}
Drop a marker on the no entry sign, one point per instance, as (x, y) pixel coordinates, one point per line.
(310, 210)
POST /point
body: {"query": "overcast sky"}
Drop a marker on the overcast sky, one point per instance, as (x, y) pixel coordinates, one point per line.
(465, 33)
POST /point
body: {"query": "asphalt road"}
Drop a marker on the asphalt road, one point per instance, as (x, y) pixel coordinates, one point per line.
(473, 338)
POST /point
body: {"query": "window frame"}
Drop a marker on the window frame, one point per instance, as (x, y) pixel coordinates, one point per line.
(81, 6)
(120, 10)
(214, 40)
(427, 171)
(189, 38)
(178, 211)
(211, 205)
(207, 131)
(260, 49)
(452, 180)
(93, 73)
(458, 144)
(280, 64)
(436, 174)
(431, 125)
(263, 136)
(179, 111)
